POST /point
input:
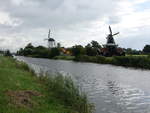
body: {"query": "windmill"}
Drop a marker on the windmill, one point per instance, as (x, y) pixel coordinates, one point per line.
(51, 41)
(111, 48)
(110, 39)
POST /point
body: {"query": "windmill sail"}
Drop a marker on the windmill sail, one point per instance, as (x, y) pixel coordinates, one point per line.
(116, 34)
(110, 30)
(49, 34)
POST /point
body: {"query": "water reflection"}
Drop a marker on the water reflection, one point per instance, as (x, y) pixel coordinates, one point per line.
(112, 89)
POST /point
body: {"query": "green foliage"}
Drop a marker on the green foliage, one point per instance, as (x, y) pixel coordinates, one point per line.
(24, 66)
(146, 49)
(29, 46)
(127, 61)
(95, 59)
(56, 92)
(132, 51)
(54, 52)
(64, 57)
(58, 45)
(95, 44)
(133, 61)
(78, 50)
(92, 48)
(7, 53)
(90, 51)
(63, 88)
(38, 52)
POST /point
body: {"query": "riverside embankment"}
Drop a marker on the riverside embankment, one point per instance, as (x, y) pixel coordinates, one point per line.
(135, 61)
(21, 91)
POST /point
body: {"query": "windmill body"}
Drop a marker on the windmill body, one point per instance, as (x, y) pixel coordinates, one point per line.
(110, 39)
(51, 41)
(111, 48)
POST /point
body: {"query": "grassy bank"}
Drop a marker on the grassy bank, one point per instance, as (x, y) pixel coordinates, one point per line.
(64, 57)
(21, 91)
(135, 61)
(142, 62)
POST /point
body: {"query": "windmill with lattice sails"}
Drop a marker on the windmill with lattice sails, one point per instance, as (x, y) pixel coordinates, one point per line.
(111, 48)
(110, 38)
(51, 41)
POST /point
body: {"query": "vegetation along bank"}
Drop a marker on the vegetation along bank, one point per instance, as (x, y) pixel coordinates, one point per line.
(142, 62)
(89, 53)
(21, 91)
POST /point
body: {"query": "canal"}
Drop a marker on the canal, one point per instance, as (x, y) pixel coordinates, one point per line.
(112, 89)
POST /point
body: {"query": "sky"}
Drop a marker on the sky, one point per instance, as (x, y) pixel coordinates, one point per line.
(74, 22)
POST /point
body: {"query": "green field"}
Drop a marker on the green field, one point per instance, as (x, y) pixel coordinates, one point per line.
(136, 55)
(23, 92)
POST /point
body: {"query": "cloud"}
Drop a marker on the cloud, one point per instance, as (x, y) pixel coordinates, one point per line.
(58, 13)
(72, 21)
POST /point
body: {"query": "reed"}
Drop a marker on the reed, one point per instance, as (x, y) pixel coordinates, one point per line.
(64, 89)
(21, 91)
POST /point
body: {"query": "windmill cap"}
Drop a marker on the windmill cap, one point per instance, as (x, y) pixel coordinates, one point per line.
(51, 39)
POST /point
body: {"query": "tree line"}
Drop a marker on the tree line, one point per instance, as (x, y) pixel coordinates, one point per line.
(91, 49)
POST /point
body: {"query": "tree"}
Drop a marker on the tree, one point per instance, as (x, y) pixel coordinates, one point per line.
(78, 50)
(28, 50)
(54, 52)
(7, 53)
(146, 49)
(41, 52)
(92, 48)
(20, 51)
(58, 45)
(90, 51)
(29, 46)
(95, 44)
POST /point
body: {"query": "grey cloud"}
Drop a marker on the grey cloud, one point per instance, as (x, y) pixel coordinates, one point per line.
(66, 17)
(137, 39)
(58, 13)
(114, 19)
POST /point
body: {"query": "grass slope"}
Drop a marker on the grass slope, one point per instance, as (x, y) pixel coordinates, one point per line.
(15, 77)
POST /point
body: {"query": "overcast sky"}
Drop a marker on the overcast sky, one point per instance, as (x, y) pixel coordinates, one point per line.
(74, 22)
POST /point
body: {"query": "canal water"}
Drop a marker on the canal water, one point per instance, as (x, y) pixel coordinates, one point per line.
(112, 89)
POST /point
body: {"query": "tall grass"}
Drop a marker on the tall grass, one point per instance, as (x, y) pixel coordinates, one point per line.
(64, 89)
(24, 66)
(15, 77)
